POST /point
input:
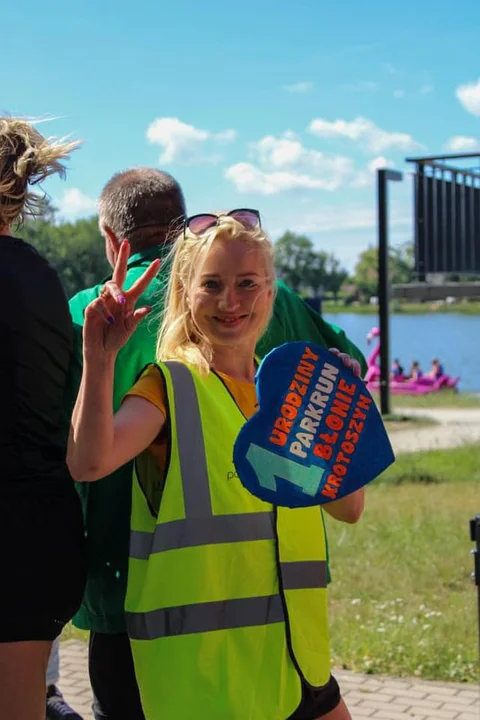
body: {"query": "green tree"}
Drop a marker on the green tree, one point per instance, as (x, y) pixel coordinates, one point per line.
(366, 272)
(76, 250)
(293, 256)
(336, 275)
(400, 268)
(316, 273)
(402, 263)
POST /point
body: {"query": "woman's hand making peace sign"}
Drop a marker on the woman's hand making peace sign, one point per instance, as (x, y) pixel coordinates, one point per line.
(112, 318)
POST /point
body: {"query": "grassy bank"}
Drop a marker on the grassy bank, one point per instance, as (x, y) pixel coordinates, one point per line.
(402, 600)
(403, 308)
(435, 467)
(442, 399)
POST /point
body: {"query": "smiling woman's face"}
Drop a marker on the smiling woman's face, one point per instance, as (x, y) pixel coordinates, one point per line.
(231, 295)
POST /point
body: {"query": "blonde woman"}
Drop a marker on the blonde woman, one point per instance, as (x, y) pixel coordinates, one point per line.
(226, 600)
(41, 529)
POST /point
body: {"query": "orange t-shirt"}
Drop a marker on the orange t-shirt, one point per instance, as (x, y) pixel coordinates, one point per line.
(150, 387)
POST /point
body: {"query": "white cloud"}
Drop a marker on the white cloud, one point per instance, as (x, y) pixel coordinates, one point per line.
(279, 152)
(399, 94)
(378, 163)
(364, 131)
(347, 217)
(366, 177)
(336, 218)
(248, 178)
(226, 136)
(74, 204)
(299, 87)
(469, 96)
(362, 86)
(462, 143)
(426, 89)
(181, 142)
(283, 163)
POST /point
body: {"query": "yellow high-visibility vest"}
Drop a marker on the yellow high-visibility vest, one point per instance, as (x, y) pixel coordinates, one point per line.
(227, 595)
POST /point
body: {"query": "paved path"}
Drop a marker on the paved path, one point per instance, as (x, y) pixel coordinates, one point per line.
(456, 426)
(367, 696)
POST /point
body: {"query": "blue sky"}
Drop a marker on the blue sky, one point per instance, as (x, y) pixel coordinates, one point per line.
(287, 107)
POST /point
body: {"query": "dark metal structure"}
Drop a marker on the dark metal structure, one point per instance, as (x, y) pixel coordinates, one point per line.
(447, 239)
(430, 291)
(475, 538)
(383, 176)
(447, 214)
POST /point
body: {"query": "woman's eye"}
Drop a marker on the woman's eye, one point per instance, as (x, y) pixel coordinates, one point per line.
(247, 283)
(211, 284)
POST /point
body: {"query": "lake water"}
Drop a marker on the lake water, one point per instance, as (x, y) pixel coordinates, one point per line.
(455, 339)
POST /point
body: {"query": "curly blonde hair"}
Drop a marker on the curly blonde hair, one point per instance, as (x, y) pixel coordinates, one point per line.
(26, 158)
(179, 338)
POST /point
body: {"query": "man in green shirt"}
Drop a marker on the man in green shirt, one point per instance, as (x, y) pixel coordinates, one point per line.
(143, 205)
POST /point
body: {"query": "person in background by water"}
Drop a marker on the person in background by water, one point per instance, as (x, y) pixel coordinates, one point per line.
(415, 371)
(41, 528)
(436, 371)
(397, 370)
(269, 634)
(141, 205)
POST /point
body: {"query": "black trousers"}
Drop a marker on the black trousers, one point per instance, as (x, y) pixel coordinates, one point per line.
(112, 676)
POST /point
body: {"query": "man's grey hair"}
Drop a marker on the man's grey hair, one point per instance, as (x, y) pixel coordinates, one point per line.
(142, 205)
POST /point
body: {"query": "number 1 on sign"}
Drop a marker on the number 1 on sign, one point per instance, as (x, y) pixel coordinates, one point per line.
(268, 464)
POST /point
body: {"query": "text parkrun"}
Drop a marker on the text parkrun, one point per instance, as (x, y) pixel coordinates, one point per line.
(328, 430)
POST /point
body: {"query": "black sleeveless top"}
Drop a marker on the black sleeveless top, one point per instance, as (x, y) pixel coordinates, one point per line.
(35, 349)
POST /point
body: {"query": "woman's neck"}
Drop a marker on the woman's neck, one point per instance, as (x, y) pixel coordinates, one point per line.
(235, 363)
(5, 230)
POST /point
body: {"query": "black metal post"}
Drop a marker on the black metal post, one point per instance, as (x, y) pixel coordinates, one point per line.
(475, 537)
(383, 176)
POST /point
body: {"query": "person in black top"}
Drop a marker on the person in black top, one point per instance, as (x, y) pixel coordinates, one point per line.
(41, 527)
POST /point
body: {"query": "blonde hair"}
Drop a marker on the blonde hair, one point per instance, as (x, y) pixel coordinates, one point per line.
(179, 338)
(26, 158)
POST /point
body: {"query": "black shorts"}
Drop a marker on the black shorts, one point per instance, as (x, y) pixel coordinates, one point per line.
(317, 702)
(42, 563)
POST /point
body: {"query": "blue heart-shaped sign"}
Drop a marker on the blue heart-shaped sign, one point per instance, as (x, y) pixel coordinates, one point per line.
(317, 436)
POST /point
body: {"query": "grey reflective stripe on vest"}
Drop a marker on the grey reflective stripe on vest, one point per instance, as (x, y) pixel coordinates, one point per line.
(191, 446)
(227, 614)
(304, 574)
(205, 617)
(202, 531)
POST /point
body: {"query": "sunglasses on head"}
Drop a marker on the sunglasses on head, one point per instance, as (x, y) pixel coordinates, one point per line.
(198, 224)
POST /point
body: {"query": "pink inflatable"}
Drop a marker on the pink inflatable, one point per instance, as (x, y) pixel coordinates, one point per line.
(421, 386)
